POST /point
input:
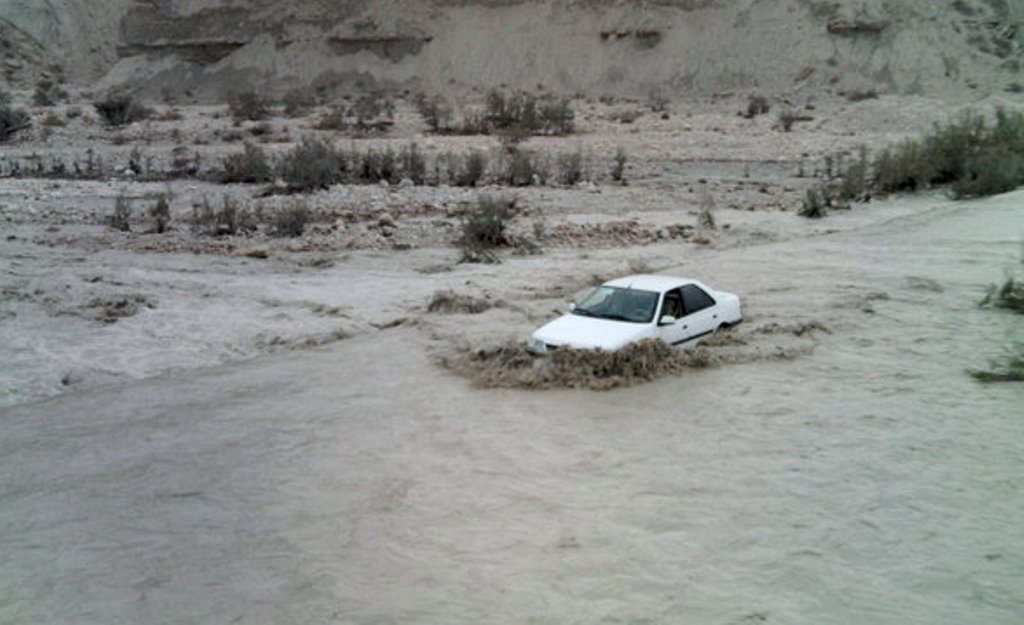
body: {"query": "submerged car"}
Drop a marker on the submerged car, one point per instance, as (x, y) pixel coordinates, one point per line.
(678, 311)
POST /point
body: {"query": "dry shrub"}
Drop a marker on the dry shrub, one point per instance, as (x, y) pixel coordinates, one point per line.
(291, 222)
(11, 120)
(118, 109)
(512, 366)
(1009, 296)
(449, 302)
(249, 166)
(121, 218)
(486, 228)
(311, 165)
(248, 105)
(1012, 370)
(756, 105)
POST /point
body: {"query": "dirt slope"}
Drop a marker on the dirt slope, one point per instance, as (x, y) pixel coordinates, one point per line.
(660, 48)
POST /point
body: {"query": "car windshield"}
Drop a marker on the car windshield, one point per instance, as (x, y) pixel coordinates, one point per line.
(609, 302)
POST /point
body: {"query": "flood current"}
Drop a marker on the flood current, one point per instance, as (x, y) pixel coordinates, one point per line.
(871, 481)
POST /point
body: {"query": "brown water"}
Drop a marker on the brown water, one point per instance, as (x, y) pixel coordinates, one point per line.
(872, 481)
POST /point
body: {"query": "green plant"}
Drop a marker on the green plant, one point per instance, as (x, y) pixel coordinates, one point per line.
(248, 166)
(118, 109)
(312, 164)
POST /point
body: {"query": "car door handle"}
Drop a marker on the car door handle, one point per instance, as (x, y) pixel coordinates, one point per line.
(714, 316)
(684, 327)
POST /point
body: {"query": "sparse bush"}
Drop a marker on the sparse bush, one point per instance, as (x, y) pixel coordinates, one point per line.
(229, 220)
(119, 109)
(990, 173)
(334, 119)
(557, 117)
(1012, 370)
(248, 105)
(787, 118)
(369, 107)
(11, 120)
(120, 219)
(248, 166)
(813, 206)
(161, 214)
(376, 166)
(706, 217)
(971, 155)
(486, 228)
(756, 105)
(47, 93)
(473, 170)
(853, 182)
(523, 170)
(414, 166)
(297, 102)
(1009, 296)
(619, 165)
(522, 114)
(435, 112)
(291, 222)
(570, 167)
(312, 164)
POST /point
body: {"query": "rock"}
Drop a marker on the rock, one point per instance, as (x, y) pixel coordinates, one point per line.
(254, 252)
(386, 220)
(406, 183)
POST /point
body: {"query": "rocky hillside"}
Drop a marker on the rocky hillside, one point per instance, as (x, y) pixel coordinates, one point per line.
(638, 48)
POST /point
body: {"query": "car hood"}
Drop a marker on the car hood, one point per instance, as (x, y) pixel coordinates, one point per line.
(589, 332)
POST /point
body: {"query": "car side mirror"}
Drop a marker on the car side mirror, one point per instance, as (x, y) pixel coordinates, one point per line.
(666, 320)
(572, 306)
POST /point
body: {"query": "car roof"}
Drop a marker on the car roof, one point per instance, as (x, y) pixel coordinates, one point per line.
(650, 282)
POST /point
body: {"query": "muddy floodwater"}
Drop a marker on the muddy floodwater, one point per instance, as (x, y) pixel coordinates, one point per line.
(870, 480)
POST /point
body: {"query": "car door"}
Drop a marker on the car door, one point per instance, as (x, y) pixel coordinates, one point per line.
(672, 304)
(700, 314)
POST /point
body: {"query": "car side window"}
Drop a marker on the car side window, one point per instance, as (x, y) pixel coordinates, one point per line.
(673, 304)
(695, 299)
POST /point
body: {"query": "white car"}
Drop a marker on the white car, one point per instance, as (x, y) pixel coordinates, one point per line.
(678, 311)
